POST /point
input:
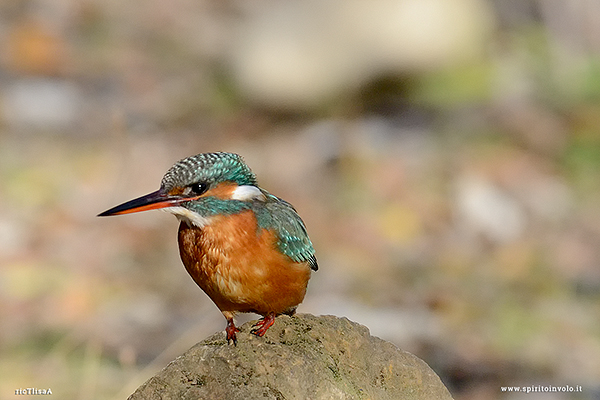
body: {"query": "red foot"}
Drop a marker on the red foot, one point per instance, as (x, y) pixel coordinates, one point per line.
(231, 330)
(261, 326)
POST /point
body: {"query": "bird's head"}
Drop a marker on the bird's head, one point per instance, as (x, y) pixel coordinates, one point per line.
(197, 187)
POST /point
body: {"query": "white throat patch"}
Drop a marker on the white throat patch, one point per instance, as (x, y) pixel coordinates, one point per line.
(247, 192)
(190, 217)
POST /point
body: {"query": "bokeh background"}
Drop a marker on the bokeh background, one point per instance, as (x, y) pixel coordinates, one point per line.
(444, 154)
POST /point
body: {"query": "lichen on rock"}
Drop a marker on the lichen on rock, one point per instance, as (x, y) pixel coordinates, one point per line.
(300, 357)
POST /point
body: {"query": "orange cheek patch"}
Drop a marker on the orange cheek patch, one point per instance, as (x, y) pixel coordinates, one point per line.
(222, 191)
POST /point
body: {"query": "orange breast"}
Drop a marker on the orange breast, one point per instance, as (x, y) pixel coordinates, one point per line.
(242, 270)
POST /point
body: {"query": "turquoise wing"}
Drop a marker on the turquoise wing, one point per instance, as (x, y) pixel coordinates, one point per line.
(293, 239)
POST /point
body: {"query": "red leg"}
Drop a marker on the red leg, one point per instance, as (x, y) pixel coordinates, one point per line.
(231, 330)
(261, 326)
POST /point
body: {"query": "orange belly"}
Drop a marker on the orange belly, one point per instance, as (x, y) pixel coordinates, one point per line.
(240, 270)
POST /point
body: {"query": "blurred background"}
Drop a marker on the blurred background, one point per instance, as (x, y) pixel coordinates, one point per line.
(444, 154)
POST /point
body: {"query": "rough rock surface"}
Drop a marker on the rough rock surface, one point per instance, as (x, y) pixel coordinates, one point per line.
(300, 357)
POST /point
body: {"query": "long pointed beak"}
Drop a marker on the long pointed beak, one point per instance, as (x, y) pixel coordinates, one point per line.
(151, 201)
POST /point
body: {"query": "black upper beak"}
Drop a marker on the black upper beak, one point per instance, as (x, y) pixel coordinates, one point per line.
(152, 201)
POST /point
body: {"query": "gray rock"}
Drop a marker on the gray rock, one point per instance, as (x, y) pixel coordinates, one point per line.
(300, 357)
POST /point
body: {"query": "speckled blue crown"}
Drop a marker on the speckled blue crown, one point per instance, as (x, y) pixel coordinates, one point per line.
(209, 168)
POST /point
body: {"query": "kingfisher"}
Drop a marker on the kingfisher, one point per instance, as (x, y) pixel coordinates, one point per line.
(247, 249)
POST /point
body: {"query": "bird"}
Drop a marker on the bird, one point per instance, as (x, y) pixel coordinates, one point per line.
(246, 248)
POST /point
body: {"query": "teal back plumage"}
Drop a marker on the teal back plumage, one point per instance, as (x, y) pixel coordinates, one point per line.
(279, 215)
(274, 214)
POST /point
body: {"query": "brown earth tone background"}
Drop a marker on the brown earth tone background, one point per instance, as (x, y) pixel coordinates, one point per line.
(444, 154)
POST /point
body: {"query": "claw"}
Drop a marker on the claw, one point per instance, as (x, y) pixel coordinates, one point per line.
(261, 326)
(230, 330)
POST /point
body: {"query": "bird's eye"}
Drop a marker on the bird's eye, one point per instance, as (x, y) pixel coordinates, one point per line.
(199, 188)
